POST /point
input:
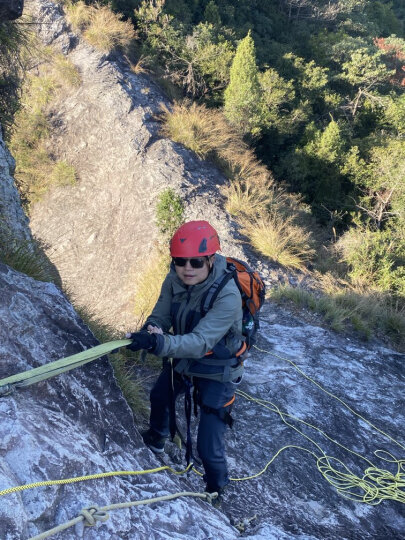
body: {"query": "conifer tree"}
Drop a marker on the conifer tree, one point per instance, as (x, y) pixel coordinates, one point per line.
(243, 103)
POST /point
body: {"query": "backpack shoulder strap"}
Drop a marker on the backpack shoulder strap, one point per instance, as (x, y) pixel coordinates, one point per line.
(211, 295)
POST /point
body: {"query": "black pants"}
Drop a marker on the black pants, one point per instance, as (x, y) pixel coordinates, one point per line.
(213, 395)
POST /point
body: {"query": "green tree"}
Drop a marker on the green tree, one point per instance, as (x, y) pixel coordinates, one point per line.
(243, 104)
(379, 176)
(315, 169)
(278, 96)
(365, 72)
(211, 13)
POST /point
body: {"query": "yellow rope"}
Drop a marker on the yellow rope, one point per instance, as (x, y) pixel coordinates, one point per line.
(331, 395)
(375, 485)
(90, 477)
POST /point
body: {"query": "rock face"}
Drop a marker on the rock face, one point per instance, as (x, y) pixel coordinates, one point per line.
(12, 216)
(292, 495)
(78, 424)
(101, 231)
(74, 425)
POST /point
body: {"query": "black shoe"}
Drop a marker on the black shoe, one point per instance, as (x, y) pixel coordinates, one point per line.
(154, 441)
(218, 500)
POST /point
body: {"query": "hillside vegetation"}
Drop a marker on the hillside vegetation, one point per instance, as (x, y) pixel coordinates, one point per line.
(301, 104)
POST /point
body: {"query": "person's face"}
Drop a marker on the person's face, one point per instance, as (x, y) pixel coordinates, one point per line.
(190, 275)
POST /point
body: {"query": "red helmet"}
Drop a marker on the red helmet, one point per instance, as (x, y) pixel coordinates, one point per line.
(194, 239)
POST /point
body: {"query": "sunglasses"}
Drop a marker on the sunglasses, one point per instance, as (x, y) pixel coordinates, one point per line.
(194, 263)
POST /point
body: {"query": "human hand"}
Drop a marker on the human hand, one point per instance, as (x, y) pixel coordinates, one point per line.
(154, 329)
(141, 340)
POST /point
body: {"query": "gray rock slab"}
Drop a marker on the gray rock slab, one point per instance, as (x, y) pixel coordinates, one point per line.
(74, 425)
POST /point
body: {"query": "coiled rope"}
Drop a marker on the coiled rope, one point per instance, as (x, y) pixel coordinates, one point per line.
(373, 487)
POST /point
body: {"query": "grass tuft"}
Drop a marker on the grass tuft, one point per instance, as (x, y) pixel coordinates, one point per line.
(148, 284)
(25, 256)
(277, 238)
(101, 27)
(123, 362)
(369, 314)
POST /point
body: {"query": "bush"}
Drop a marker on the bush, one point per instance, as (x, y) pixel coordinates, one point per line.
(169, 212)
(375, 258)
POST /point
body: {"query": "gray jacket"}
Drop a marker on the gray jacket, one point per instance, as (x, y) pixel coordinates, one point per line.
(179, 309)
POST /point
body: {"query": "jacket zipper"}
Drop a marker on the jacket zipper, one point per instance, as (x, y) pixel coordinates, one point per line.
(184, 309)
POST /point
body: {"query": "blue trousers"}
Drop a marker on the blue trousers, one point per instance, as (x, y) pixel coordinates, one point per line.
(213, 395)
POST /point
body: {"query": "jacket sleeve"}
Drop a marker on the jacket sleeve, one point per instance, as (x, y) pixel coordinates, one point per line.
(210, 329)
(160, 315)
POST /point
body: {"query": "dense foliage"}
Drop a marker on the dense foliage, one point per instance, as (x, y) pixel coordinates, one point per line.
(317, 88)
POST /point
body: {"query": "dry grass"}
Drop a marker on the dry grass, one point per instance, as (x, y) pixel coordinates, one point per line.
(349, 308)
(207, 133)
(140, 66)
(78, 15)
(36, 171)
(148, 284)
(101, 27)
(244, 199)
(277, 238)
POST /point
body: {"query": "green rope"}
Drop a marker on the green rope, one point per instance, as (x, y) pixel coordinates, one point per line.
(51, 369)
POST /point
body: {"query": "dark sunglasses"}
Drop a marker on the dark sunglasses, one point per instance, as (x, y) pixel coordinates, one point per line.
(194, 263)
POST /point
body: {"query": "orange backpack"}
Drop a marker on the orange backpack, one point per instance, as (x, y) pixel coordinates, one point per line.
(252, 290)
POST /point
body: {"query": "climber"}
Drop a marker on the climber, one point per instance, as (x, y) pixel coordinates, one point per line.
(206, 350)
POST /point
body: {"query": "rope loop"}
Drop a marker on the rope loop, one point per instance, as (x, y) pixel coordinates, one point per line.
(210, 496)
(92, 514)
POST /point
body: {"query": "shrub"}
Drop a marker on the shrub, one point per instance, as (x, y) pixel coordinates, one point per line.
(277, 238)
(101, 27)
(375, 258)
(169, 212)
